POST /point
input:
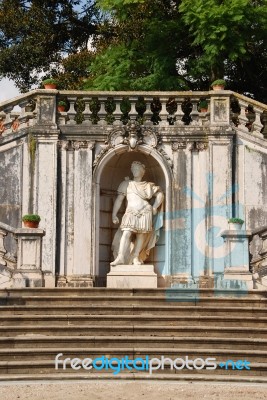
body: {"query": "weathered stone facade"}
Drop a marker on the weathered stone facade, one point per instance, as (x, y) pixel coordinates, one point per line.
(211, 166)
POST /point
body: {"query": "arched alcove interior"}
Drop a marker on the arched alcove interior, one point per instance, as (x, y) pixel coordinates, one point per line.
(114, 172)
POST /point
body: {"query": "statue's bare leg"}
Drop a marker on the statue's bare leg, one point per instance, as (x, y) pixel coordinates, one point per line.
(139, 242)
(124, 245)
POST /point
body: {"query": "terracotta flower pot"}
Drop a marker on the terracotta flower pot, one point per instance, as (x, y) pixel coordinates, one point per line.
(50, 86)
(61, 108)
(31, 224)
(218, 87)
(203, 110)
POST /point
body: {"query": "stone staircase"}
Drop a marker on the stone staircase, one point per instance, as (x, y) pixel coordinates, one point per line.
(37, 324)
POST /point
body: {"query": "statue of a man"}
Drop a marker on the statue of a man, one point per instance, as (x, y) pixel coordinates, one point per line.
(141, 220)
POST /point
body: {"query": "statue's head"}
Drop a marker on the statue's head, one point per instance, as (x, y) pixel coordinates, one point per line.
(138, 167)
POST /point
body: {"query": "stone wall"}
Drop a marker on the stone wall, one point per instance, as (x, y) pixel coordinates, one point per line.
(211, 166)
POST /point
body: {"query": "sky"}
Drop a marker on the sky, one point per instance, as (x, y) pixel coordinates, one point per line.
(7, 90)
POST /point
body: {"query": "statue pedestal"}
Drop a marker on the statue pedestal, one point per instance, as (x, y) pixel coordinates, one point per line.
(132, 276)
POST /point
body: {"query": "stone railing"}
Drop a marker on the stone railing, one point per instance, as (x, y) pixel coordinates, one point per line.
(115, 108)
(258, 255)
(23, 268)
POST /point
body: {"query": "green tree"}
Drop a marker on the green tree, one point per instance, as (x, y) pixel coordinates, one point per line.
(138, 49)
(167, 45)
(37, 34)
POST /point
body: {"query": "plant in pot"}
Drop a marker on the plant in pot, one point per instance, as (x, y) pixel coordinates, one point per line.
(203, 105)
(235, 223)
(219, 84)
(61, 106)
(31, 220)
(50, 83)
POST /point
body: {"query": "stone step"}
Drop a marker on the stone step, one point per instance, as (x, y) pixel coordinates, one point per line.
(147, 320)
(132, 301)
(89, 342)
(176, 309)
(159, 376)
(49, 355)
(134, 330)
(101, 291)
(48, 367)
(133, 309)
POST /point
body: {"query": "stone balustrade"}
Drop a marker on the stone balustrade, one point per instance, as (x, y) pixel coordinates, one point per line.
(24, 267)
(116, 108)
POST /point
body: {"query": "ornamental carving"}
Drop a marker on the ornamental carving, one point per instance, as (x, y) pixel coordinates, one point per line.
(198, 146)
(179, 145)
(132, 135)
(75, 145)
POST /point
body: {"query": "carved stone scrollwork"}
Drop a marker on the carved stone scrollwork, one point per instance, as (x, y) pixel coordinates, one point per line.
(150, 138)
(179, 145)
(101, 154)
(132, 134)
(79, 145)
(64, 144)
(198, 146)
(165, 155)
(75, 145)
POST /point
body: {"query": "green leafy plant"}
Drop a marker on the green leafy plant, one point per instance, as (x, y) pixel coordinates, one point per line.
(236, 221)
(203, 104)
(218, 82)
(31, 218)
(62, 103)
(49, 81)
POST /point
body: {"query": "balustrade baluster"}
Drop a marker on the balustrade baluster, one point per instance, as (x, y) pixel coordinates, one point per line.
(87, 111)
(243, 120)
(72, 112)
(133, 113)
(102, 113)
(14, 115)
(163, 114)
(2, 120)
(117, 112)
(194, 113)
(179, 112)
(8, 121)
(148, 113)
(264, 123)
(257, 125)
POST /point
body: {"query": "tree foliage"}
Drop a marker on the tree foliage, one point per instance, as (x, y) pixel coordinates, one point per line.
(138, 44)
(141, 52)
(35, 34)
(167, 45)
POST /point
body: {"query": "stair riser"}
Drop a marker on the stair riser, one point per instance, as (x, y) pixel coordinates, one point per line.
(176, 312)
(10, 321)
(131, 342)
(50, 355)
(98, 291)
(130, 301)
(46, 369)
(129, 331)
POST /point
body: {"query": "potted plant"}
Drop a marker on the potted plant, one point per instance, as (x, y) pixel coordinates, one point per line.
(235, 223)
(50, 83)
(203, 105)
(31, 220)
(219, 84)
(61, 106)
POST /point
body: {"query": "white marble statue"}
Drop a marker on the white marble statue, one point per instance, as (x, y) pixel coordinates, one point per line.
(140, 225)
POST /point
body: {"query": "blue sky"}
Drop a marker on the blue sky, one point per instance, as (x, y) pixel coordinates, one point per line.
(7, 90)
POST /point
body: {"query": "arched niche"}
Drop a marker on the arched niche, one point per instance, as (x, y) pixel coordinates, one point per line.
(111, 171)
